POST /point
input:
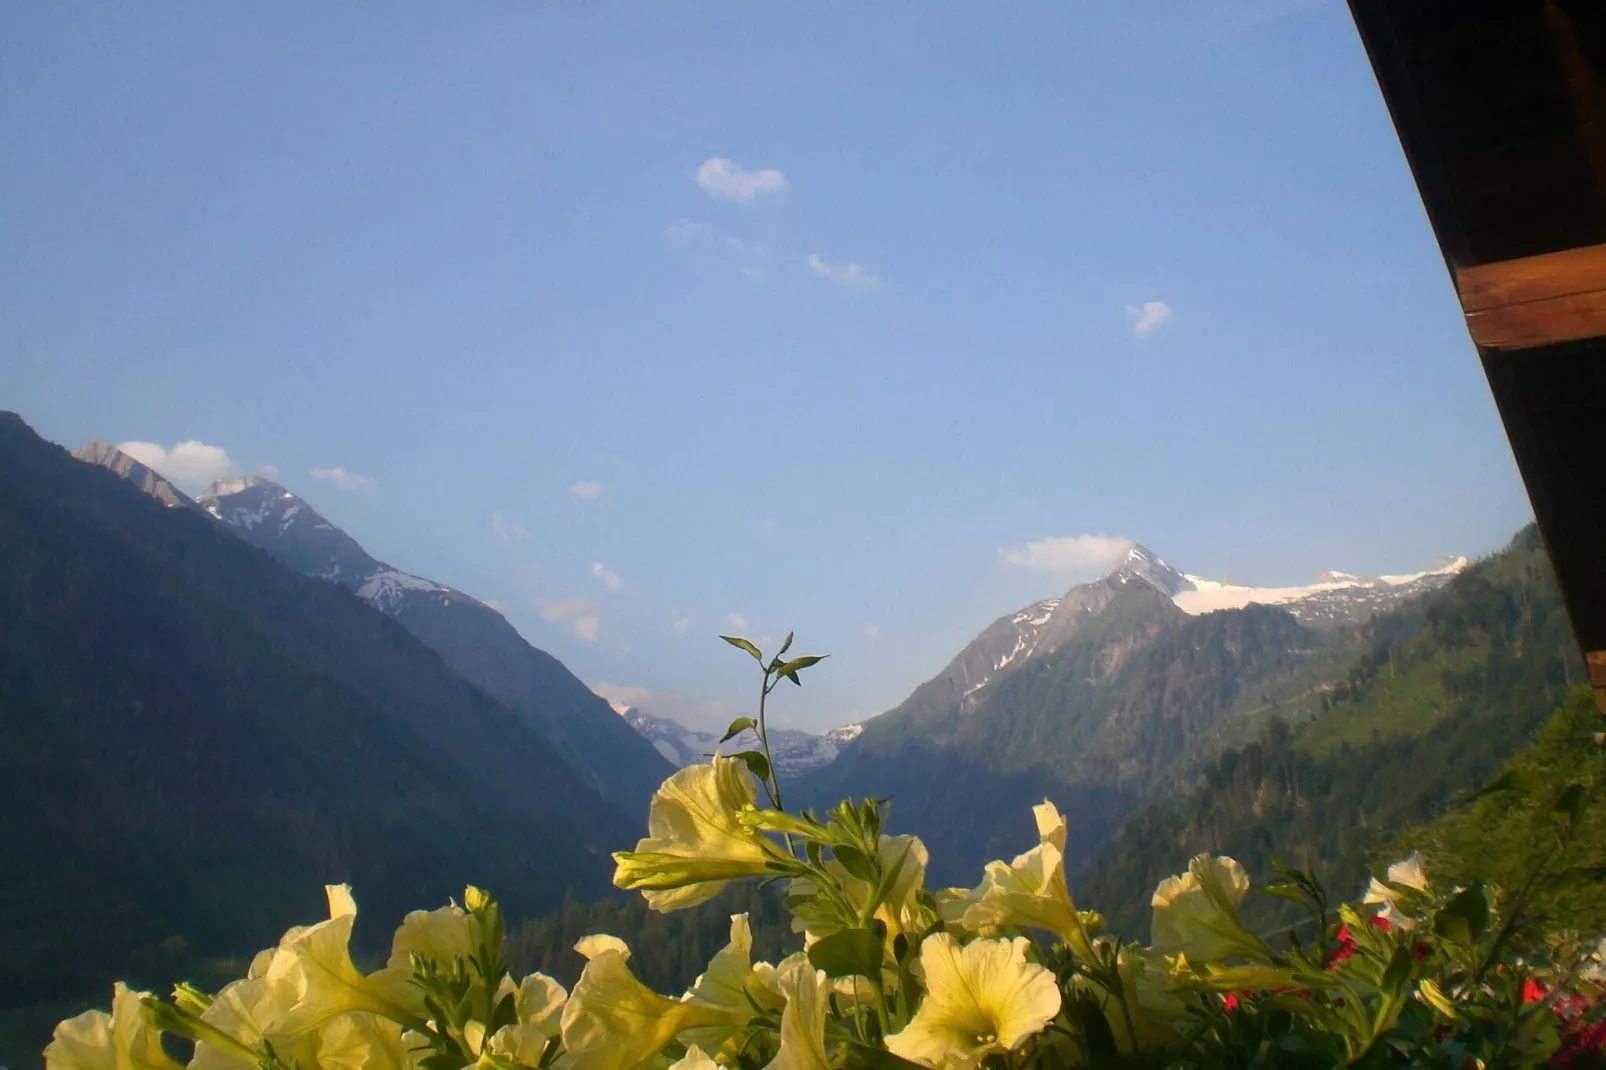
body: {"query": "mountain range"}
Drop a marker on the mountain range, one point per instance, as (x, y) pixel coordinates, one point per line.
(794, 751)
(474, 639)
(1118, 689)
(197, 739)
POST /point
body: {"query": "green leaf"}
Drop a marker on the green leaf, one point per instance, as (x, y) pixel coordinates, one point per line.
(860, 1056)
(738, 726)
(790, 669)
(848, 953)
(786, 645)
(742, 644)
(507, 1013)
(1464, 918)
(1398, 975)
(757, 764)
(855, 862)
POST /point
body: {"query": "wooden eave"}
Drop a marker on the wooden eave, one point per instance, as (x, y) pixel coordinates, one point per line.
(1500, 107)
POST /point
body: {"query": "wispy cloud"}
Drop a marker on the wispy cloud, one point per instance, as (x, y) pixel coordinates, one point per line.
(686, 230)
(848, 276)
(579, 613)
(585, 490)
(751, 255)
(1072, 558)
(736, 620)
(268, 471)
(190, 463)
(681, 626)
(343, 478)
(872, 631)
(610, 578)
(506, 528)
(1148, 316)
(727, 179)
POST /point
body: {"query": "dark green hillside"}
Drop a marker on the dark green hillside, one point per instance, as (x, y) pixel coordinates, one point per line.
(1506, 836)
(1488, 658)
(193, 739)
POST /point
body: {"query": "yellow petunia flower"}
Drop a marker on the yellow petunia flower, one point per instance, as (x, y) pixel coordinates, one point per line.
(444, 935)
(730, 984)
(1031, 891)
(121, 1040)
(694, 1059)
(294, 989)
(539, 1002)
(696, 842)
(361, 1042)
(614, 1022)
(808, 995)
(1196, 913)
(980, 999)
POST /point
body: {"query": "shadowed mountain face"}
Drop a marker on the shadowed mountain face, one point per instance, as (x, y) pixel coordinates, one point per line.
(195, 739)
(474, 639)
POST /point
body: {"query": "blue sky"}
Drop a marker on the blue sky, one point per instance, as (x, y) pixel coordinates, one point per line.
(641, 319)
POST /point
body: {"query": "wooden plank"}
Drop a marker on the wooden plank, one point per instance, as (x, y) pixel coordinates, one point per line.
(1596, 661)
(1532, 278)
(1537, 323)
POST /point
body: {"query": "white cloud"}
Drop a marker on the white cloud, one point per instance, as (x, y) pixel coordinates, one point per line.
(506, 528)
(847, 276)
(681, 626)
(1070, 557)
(191, 463)
(579, 613)
(610, 578)
(720, 177)
(736, 620)
(709, 715)
(268, 471)
(585, 490)
(1148, 317)
(753, 272)
(343, 478)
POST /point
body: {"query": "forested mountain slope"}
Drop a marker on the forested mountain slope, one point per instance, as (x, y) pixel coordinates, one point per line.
(194, 739)
(1450, 689)
(1121, 707)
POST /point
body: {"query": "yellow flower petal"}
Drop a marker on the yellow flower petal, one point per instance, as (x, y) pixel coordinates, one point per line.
(121, 1040)
(980, 999)
(614, 1022)
(694, 1059)
(1031, 891)
(361, 1042)
(808, 995)
(697, 842)
(1196, 913)
(591, 946)
(540, 1003)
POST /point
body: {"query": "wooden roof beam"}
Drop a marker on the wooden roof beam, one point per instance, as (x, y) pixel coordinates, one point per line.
(1536, 300)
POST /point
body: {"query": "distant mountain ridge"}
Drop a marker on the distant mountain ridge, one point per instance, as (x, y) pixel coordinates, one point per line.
(1098, 697)
(474, 639)
(794, 751)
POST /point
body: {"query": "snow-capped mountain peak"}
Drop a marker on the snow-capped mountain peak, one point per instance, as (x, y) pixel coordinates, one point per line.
(794, 751)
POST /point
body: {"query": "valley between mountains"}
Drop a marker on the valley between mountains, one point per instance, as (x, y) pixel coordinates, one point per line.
(228, 695)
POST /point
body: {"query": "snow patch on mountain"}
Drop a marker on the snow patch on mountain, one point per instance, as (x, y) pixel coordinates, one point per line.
(1321, 601)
